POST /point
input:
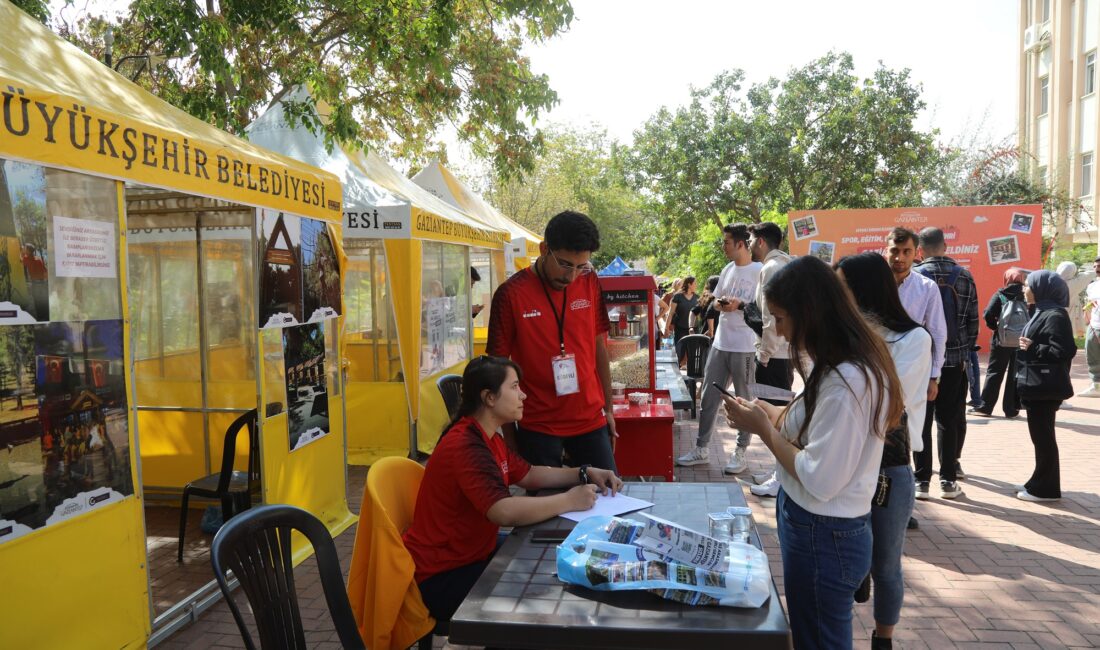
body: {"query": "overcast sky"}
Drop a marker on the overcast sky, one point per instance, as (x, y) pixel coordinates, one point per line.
(622, 60)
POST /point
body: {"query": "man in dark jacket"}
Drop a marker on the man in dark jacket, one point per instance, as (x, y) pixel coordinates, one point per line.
(1002, 354)
(948, 409)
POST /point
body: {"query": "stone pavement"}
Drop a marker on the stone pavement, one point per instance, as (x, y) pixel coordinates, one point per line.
(983, 571)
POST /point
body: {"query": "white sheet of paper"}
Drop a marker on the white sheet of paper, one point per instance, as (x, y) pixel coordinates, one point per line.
(609, 506)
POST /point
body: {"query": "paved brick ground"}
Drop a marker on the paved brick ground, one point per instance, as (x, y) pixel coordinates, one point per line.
(983, 571)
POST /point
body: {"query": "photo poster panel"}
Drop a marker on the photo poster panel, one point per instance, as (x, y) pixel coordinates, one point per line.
(64, 435)
(986, 240)
(306, 384)
(24, 261)
(299, 274)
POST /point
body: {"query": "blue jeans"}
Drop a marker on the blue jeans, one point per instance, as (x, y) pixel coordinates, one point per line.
(888, 524)
(824, 561)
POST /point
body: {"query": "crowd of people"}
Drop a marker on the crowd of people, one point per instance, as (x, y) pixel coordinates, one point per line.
(893, 360)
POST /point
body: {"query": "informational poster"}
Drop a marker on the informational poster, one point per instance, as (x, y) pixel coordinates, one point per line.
(281, 269)
(986, 240)
(84, 248)
(64, 438)
(306, 386)
(437, 331)
(320, 272)
(300, 276)
(24, 270)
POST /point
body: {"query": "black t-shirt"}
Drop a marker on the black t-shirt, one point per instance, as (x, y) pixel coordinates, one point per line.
(682, 306)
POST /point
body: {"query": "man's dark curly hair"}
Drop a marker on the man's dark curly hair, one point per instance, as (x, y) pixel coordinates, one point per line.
(572, 231)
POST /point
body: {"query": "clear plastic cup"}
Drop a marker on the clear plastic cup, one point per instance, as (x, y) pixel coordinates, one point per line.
(741, 522)
(721, 525)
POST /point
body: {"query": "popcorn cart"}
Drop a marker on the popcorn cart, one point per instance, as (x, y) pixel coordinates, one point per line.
(643, 414)
(630, 346)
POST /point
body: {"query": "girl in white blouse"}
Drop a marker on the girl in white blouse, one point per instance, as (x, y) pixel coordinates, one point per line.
(872, 284)
(828, 444)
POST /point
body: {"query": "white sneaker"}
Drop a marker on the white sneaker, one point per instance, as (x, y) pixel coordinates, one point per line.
(1092, 391)
(697, 456)
(769, 488)
(737, 462)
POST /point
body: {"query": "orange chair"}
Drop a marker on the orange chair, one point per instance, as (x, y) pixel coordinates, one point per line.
(381, 587)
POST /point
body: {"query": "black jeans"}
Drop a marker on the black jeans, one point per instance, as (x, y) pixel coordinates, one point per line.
(444, 592)
(778, 373)
(1002, 368)
(592, 448)
(1046, 480)
(678, 333)
(949, 412)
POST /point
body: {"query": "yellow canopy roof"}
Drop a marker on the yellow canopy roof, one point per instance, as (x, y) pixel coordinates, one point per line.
(435, 217)
(62, 108)
(439, 180)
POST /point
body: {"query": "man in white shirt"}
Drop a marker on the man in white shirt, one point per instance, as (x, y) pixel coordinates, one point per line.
(921, 298)
(1092, 334)
(732, 357)
(773, 352)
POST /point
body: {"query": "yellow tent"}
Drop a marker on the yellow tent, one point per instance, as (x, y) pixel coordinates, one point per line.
(440, 181)
(80, 146)
(391, 229)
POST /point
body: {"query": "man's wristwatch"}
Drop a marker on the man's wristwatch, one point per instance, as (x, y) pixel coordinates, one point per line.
(583, 472)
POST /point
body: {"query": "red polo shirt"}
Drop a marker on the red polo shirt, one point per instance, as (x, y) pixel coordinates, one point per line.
(523, 327)
(468, 472)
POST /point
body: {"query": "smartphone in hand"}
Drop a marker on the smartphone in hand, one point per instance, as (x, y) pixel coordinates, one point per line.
(723, 390)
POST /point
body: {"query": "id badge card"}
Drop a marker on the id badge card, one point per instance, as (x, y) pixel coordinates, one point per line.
(565, 375)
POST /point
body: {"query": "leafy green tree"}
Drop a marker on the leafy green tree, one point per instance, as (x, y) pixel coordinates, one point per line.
(705, 257)
(1003, 174)
(38, 9)
(820, 139)
(582, 169)
(393, 71)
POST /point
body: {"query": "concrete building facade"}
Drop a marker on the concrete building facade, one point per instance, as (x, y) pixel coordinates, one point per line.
(1059, 124)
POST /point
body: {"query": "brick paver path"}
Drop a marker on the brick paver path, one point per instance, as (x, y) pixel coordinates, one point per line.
(983, 571)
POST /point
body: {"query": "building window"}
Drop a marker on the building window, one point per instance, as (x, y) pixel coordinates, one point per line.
(1042, 175)
(1090, 72)
(1086, 174)
(1044, 95)
(1046, 10)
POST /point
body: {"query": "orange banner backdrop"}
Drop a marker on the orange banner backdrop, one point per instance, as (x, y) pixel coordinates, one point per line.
(986, 239)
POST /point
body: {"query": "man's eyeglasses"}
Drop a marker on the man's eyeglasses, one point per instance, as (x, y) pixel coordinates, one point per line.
(582, 269)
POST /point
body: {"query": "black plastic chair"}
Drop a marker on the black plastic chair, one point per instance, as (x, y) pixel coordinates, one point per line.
(450, 386)
(256, 547)
(695, 347)
(233, 489)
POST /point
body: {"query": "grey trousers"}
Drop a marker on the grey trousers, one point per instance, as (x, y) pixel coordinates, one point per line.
(724, 368)
(1092, 353)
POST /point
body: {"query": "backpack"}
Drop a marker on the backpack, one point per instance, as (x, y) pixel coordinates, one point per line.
(1011, 324)
(950, 299)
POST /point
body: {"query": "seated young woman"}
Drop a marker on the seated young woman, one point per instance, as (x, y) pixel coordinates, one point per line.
(464, 497)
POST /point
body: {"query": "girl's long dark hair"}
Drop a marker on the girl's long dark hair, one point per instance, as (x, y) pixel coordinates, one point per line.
(711, 285)
(872, 284)
(827, 327)
(482, 373)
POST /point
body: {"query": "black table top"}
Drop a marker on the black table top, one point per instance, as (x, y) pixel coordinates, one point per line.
(519, 602)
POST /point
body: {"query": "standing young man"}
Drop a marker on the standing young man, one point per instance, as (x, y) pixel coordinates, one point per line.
(551, 320)
(1092, 334)
(921, 299)
(732, 357)
(959, 298)
(773, 363)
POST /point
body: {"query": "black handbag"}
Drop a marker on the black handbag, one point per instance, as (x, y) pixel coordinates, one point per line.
(754, 318)
(1043, 381)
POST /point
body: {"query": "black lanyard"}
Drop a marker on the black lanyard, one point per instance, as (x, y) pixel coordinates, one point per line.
(560, 319)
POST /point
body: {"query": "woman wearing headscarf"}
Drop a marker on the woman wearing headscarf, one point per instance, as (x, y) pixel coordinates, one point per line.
(1047, 349)
(1002, 356)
